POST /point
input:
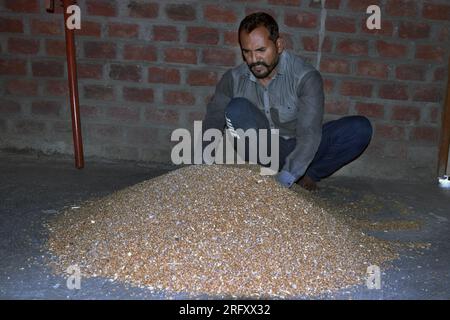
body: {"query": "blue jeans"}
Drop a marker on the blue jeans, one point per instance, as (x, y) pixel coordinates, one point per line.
(343, 140)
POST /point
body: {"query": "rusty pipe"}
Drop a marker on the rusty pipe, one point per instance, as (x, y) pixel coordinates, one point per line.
(73, 89)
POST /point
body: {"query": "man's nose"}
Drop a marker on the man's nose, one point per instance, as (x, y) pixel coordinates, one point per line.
(255, 57)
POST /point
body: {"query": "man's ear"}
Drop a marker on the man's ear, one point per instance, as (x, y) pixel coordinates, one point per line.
(280, 45)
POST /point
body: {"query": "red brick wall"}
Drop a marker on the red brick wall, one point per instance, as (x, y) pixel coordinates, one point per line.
(148, 67)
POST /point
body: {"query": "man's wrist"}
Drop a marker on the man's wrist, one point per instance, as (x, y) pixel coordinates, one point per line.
(286, 178)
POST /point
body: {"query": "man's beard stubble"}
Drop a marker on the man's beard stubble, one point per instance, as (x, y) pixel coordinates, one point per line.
(262, 63)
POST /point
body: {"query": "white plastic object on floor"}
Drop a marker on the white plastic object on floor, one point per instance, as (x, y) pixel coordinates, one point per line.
(444, 181)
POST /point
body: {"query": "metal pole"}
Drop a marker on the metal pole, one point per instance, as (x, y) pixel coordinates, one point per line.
(73, 87)
(444, 140)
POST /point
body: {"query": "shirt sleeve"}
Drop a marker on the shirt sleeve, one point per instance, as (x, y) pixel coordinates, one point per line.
(308, 127)
(215, 110)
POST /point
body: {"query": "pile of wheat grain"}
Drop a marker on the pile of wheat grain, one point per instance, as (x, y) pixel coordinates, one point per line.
(217, 230)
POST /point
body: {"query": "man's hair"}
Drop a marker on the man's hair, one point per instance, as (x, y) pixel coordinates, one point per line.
(258, 19)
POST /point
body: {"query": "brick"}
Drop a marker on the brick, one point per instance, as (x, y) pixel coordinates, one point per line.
(444, 34)
(100, 50)
(436, 11)
(45, 108)
(139, 52)
(123, 113)
(413, 30)
(13, 67)
(139, 9)
(181, 12)
(329, 4)
(141, 135)
(202, 78)
(285, 2)
(163, 75)
(356, 89)
(89, 29)
(361, 5)
(372, 110)
(430, 52)
(391, 50)
(22, 87)
(179, 98)
(312, 43)
(340, 24)
(165, 33)
(9, 107)
(387, 28)
(195, 116)
(219, 57)
(165, 116)
(202, 35)
(401, 8)
(123, 30)
(90, 71)
(352, 47)
(106, 132)
(215, 13)
(301, 20)
(435, 115)
(47, 69)
(11, 25)
(56, 88)
(328, 85)
(23, 46)
(335, 66)
(125, 72)
(231, 38)
(48, 27)
(439, 74)
(25, 6)
(372, 69)
(410, 72)
(429, 134)
(138, 94)
(393, 91)
(98, 92)
(428, 94)
(178, 55)
(55, 47)
(89, 111)
(29, 127)
(388, 131)
(101, 8)
(405, 113)
(250, 10)
(336, 107)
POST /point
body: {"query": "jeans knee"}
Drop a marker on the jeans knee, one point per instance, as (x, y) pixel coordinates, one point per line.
(236, 107)
(364, 128)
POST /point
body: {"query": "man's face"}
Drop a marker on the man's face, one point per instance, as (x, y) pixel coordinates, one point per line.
(259, 52)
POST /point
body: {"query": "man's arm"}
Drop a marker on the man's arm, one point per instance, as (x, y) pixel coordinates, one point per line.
(215, 111)
(308, 129)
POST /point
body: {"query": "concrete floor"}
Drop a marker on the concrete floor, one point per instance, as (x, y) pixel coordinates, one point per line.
(34, 188)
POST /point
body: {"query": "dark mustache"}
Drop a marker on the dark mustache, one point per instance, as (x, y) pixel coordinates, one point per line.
(258, 64)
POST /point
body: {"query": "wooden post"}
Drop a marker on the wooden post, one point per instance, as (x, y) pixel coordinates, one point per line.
(444, 139)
